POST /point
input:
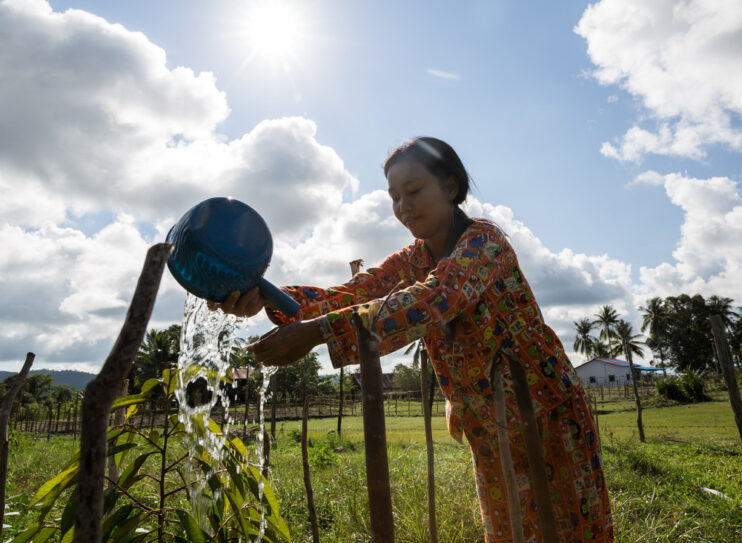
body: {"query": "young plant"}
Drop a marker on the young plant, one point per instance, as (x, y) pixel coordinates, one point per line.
(153, 499)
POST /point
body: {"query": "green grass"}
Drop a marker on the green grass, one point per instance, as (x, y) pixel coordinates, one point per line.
(656, 488)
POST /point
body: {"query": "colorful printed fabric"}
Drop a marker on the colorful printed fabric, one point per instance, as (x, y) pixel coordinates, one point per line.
(468, 308)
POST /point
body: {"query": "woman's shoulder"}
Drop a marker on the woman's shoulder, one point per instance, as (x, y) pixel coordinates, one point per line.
(481, 226)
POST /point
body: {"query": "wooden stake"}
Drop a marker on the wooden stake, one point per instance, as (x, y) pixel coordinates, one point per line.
(374, 433)
(118, 420)
(4, 443)
(432, 526)
(506, 459)
(725, 359)
(535, 453)
(101, 392)
(307, 475)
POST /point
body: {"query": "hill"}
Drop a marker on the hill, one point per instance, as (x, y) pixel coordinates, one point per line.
(75, 379)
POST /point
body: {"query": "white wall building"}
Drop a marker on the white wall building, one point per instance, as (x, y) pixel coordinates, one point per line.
(608, 372)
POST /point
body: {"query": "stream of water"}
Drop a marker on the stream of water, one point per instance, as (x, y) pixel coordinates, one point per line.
(207, 341)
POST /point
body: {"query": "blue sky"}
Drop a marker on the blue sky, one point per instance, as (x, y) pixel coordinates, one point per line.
(513, 86)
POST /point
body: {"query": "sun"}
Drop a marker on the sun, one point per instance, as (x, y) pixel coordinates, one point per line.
(274, 31)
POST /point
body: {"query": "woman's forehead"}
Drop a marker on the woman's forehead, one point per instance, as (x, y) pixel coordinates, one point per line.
(407, 171)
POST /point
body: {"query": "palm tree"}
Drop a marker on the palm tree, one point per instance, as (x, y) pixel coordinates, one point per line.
(606, 320)
(655, 320)
(583, 340)
(718, 305)
(624, 340)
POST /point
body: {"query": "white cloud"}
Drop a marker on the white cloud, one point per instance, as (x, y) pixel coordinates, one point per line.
(708, 258)
(681, 60)
(444, 75)
(121, 134)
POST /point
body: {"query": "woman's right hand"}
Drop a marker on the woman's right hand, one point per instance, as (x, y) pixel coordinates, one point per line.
(247, 305)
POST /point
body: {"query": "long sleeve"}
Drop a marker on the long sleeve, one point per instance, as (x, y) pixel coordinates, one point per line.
(364, 286)
(456, 283)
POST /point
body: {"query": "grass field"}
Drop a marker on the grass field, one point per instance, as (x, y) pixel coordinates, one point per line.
(657, 489)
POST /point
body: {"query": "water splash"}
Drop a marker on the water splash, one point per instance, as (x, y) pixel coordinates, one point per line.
(207, 340)
(267, 372)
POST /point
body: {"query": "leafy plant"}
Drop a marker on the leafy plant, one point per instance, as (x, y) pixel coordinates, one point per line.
(154, 497)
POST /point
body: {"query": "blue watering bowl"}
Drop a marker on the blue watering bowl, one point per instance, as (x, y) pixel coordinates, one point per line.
(222, 245)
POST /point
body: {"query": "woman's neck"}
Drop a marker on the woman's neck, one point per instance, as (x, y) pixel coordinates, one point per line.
(459, 224)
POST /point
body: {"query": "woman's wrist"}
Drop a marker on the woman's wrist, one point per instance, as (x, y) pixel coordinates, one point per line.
(316, 333)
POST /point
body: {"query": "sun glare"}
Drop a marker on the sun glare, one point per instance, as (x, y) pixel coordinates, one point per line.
(274, 31)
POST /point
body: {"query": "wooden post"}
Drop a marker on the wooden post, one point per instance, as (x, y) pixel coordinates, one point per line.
(374, 433)
(535, 453)
(506, 458)
(638, 402)
(101, 392)
(725, 359)
(4, 443)
(307, 475)
(432, 526)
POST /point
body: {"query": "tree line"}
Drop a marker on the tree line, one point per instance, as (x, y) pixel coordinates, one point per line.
(677, 330)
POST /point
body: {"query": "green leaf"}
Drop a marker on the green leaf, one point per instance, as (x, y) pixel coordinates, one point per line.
(27, 534)
(116, 519)
(236, 502)
(154, 437)
(149, 384)
(130, 411)
(48, 486)
(126, 401)
(44, 535)
(127, 477)
(68, 515)
(69, 535)
(192, 530)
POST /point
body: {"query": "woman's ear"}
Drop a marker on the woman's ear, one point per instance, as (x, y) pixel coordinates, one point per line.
(452, 188)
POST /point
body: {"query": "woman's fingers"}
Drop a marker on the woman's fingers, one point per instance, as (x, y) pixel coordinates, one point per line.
(241, 305)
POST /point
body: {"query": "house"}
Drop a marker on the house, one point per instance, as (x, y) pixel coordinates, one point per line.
(608, 372)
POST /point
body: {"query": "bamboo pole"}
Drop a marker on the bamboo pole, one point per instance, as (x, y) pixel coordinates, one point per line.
(374, 433)
(725, 359)
(432, 526)
(4, 443)
(100, 394)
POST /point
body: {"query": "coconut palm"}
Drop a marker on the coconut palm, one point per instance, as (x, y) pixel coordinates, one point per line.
(718, 305)
(624, 340)
(606, 320)
(655, 320)
(583, 340)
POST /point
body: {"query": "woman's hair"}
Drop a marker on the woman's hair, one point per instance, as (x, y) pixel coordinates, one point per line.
(437, 157)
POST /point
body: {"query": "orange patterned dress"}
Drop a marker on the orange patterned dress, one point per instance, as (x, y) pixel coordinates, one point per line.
(466, 307)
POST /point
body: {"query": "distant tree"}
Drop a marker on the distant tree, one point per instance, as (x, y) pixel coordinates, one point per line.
(606, 321)
(625, 341)
(584, 342)
(159, 351)
(406, 378)
(299, 378)
(689, 341)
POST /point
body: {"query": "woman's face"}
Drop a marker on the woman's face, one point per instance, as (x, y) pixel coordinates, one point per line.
(420, 200)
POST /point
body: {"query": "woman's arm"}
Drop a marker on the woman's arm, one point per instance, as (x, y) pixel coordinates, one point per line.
(364, 286)
(410, 313)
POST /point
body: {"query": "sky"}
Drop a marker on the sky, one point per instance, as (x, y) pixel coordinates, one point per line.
(604, 137)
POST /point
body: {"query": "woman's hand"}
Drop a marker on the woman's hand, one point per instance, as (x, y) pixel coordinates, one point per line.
(247, 305)
(287, 344)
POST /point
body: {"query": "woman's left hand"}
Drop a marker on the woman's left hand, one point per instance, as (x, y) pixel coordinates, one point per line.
(287, 344)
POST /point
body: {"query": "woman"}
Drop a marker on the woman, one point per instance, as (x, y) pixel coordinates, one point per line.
(459, 287)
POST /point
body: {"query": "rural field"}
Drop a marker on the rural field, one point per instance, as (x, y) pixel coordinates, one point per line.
(683, 484)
